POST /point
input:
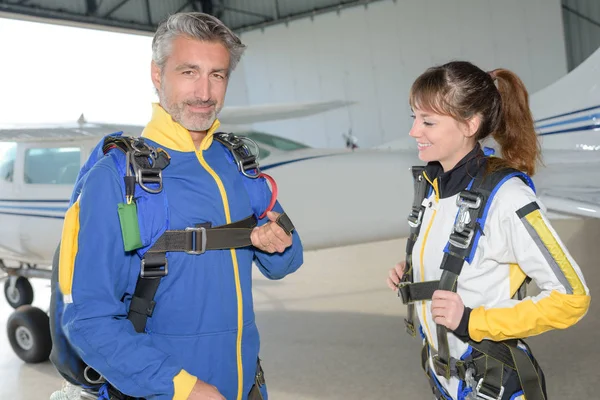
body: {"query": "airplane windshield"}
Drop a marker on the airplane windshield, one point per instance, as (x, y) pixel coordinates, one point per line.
(275, 141)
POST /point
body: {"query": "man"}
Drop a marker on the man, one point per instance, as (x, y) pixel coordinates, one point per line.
(200, 340)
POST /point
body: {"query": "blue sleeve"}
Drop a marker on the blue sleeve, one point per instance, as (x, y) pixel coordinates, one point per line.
(96, 320)
(278, 265)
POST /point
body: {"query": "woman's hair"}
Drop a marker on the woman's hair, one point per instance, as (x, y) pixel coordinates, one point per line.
(461, 90)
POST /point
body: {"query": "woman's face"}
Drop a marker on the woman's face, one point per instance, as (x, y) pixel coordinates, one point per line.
(442, 138)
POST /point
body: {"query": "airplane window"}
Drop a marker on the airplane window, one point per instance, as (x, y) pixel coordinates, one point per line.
(8, 153)
(262, 152)
(275, 141)
(52, 166)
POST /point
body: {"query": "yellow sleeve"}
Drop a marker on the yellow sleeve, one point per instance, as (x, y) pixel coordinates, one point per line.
(184, 383)
(564, 297)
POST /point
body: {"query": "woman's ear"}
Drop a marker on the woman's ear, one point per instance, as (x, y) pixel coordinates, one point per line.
(472, 126)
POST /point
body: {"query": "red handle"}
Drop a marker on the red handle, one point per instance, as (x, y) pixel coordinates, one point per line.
(273, 193)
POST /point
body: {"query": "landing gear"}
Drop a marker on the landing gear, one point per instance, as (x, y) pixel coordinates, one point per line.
(28, 330)
(18, 291)
(28, 327)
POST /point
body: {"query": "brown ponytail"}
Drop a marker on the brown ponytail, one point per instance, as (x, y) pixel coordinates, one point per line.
(515, 132)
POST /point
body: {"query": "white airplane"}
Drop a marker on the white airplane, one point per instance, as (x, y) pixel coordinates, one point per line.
(335, 197)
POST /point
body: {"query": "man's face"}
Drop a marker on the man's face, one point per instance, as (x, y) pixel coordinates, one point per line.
(192, 84)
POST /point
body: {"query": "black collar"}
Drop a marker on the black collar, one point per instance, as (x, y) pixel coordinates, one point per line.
(457, 179)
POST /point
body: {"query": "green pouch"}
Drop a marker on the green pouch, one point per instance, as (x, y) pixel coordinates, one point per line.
(130, 228)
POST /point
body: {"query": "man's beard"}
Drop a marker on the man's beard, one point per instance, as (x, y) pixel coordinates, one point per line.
(192, 121)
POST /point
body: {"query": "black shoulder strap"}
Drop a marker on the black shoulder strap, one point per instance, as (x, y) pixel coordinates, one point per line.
(415, 218)
(473, 205)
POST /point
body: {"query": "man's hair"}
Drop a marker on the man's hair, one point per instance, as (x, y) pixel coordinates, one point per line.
(198, 26)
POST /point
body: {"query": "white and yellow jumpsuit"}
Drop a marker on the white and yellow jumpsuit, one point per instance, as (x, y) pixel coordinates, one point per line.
(518, 241)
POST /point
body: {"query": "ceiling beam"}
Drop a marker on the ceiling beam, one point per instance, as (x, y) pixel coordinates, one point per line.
(251, 13)
(149, 12)
(91, 7)
(115, 8)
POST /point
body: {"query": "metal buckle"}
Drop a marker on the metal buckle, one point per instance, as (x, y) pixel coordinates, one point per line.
(248, 161)
(462, 239)
(410, 328)
(485, 396)
(245, 159)
(195, 230)
(143, 174)
(154, 272)
(415, 220)
(465, 201)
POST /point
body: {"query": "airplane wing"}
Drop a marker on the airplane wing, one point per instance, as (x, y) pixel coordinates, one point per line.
(40, 133)
(568, 182)
(271, 112)
(229, 115)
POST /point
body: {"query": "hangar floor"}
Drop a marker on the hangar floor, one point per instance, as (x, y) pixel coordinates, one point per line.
(334, 331)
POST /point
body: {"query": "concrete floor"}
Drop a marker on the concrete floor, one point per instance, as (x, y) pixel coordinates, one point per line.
(334, 331)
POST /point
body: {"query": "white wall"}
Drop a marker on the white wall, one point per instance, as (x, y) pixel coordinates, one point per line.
(372, 55)
(237, 90)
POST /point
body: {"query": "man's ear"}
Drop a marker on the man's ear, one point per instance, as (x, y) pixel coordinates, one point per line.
(472, 125)
(155, 75)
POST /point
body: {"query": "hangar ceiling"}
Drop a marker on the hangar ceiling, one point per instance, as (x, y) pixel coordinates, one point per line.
(143, 16)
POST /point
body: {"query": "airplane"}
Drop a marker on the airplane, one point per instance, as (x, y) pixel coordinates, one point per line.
(335, 197)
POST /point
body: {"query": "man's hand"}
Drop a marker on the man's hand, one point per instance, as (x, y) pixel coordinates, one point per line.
(204, 391)
(395, 275)
(270, 237)
(447, 308)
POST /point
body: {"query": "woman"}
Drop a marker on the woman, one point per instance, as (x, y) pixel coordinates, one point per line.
(481, 232)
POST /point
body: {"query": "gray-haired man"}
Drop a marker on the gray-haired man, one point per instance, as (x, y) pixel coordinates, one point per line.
(199, 339)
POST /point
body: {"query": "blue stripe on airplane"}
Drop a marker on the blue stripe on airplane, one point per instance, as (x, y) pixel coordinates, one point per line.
(576, 129)
(279, 164)
(570, 121)
(569, 113)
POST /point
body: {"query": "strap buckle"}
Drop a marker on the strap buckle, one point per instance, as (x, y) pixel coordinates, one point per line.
(245, 159)
(145, 176)
(484, 396)
(415, 217)
(152, 272)
(403, 292)
(462, 239)
(466, 200)
(410, 328)
(441, 367)
(197, 240)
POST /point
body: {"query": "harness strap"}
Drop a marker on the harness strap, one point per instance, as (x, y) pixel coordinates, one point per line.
(284, 221)
(414, 220)
(197, 240)
(193, 241)
(489, 368)
(417, 291)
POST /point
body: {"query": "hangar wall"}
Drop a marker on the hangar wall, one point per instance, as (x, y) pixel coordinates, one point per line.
(371, 55)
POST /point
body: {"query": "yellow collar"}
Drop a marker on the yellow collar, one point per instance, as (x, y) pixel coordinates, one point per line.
(170, 134)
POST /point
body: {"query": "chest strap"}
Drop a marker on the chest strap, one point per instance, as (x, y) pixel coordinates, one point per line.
(194, 240)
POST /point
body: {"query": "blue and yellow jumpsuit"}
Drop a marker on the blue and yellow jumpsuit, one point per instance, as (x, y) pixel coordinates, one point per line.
(203, 325)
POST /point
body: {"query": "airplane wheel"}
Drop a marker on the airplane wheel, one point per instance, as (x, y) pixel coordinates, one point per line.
(28, 331)
(21, 294)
